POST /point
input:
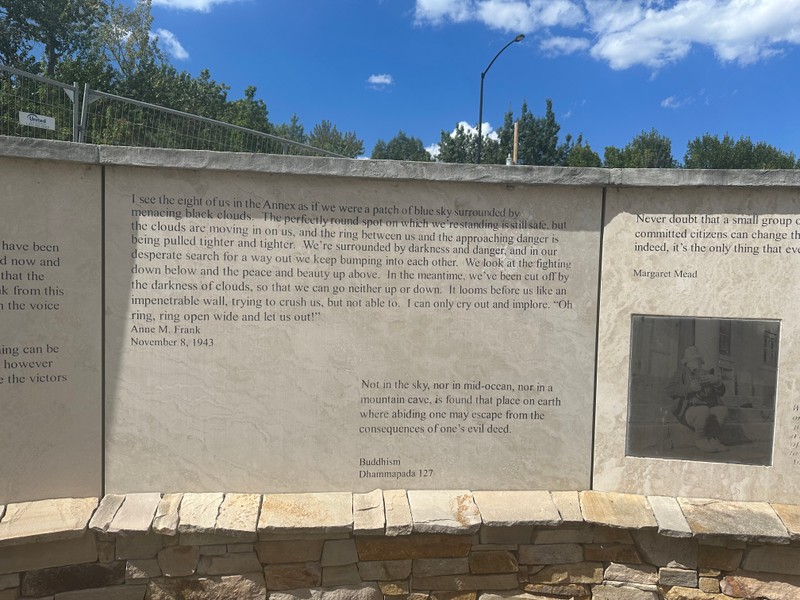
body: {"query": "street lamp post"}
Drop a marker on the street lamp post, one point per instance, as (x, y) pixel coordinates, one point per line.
(519, 38)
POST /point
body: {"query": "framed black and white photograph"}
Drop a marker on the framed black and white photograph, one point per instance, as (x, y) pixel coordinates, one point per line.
(702, 389)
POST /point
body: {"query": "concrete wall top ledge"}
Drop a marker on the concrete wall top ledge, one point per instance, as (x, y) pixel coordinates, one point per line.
(392, 170)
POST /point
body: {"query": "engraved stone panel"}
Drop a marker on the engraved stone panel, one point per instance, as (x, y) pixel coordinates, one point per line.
(50, 330)
(696, 359)
(273, 333)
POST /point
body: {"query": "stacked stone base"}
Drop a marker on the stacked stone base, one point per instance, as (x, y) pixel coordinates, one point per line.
(399, 545)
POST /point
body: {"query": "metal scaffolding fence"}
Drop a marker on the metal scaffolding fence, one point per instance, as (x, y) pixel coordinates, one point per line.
(34, 106)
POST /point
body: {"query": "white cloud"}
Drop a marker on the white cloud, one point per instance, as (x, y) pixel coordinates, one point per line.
(433, 150)
(673, 102)
(379, 82)
(487, 131)
(198, 5)
(171, 45)
(564, 45)
(625, 33)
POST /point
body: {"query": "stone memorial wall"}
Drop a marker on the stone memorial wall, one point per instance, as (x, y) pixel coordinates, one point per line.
(270, 324)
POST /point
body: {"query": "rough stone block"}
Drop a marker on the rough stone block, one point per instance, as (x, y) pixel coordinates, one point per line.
(617, 510)
(293, 576)
(413, 546)
(746, 521)
(369, 516)
(228, 565)
(74, 577)
(550, 554)
(684, 593)
(642, 574)
(513, 508)
(493, 561)
(444, 511)
(46, 520)
(339, 552)
(198, 513)
(609, 592)
(167, 517)
(10, 594)
(669, 517)
(242, 587)
(114, 592)
(568, 505)
(29, 557)
(235, 548)
(289, 551)
(718, 557)
(384, 570)
(520, 534)
(661, 550)
(140, 571)
(621, 553)
(361, 592)
(587, 572)
(756, 585)
(138, 546)
(789, 514)
(213, 550)
(772, 559)
(340, 575)
(309, 514)
(567, 589)
(238, 516)
(398, 513)
(135, 516)
(710, 585)
(178, 561)
(394, 588)
(10, 580)
(447, 583)
(674, 576)
(102, 517)
(611, 535)
(563, 536)
(431, 567)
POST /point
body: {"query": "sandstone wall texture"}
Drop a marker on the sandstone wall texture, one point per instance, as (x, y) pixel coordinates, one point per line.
(393, 544)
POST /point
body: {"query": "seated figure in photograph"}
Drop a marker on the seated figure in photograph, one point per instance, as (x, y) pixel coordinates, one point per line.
(697, 392)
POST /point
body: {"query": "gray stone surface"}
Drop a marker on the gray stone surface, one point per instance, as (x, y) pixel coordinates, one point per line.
(106, 511)
(550, 554)
(73, 577)
(661, 550)
(167, 516)
(11, 580)
(452, 583)
(747, 521)
(238, 516)
(28, 557)
(114, 592)
(669, 516)
(569, 506)
(675, 576)
(229, 565)
(45, 520)
(617, 510)
(289, 551)
(790, 516)
(772, 559)
(305, 514)
(178, 561)
(611, 592)
(340, 575)
(431, 567)
(444, 511)
(198, 513)
(242, 587)
(135, 516)
(138, 546)
(514, 508)
(368, 513)
(398, 513)
(384, 570)
(644, 574)
(339, 552)
(361, 592)
(140, 571)
(759, 585)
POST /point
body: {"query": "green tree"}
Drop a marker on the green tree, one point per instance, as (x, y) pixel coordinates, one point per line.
(710, 152)
(326, 136)
(61, 27)
(401, 147)
(648, 150)
(581, 155)
(293, 130)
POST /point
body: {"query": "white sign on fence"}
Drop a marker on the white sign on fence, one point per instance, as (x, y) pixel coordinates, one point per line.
(34, 120)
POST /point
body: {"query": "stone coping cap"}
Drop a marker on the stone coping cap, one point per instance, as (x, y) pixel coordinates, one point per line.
(339, 514)
(45, 520)
(11, 146)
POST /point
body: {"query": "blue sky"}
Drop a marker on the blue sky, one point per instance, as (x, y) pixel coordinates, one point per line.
(612, 68)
